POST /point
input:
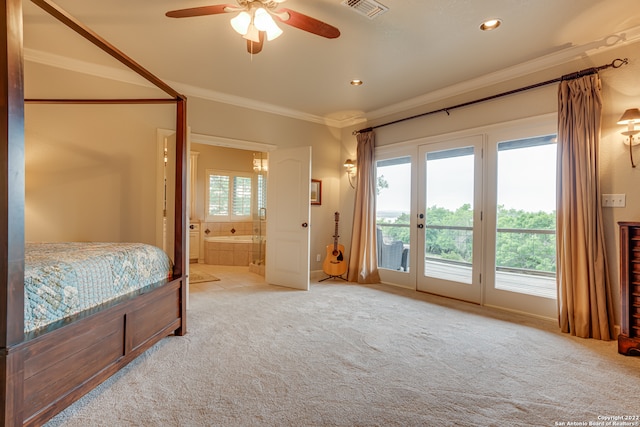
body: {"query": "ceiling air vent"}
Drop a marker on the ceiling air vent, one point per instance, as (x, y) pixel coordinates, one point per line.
(369, 8)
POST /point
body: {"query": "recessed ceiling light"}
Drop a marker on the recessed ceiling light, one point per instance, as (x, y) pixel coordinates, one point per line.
(490, 24)
(356, 82)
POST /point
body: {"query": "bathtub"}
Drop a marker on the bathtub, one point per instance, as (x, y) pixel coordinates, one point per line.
(230, 250)
(229, 239)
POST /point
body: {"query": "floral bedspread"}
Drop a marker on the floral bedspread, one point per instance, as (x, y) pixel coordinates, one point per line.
(62, 279)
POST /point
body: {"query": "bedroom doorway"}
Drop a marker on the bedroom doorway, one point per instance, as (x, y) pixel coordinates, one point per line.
(229, 191)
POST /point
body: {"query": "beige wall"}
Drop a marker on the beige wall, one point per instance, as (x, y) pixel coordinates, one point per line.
(95, 182)
(90, 169)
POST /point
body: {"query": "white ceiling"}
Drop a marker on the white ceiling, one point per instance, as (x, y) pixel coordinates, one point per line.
(417, 49)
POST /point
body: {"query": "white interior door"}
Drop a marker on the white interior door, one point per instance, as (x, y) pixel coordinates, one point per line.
(288, 205)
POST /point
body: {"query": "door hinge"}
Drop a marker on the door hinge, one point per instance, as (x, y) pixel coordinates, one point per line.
(480, 277)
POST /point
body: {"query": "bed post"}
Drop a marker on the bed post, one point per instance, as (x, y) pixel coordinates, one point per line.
(11, 213)
(180, 240)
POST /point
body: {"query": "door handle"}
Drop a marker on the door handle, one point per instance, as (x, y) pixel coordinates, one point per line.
(305, 225)
(420, 225)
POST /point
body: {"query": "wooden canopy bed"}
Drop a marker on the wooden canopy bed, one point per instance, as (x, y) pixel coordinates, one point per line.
(43, 371)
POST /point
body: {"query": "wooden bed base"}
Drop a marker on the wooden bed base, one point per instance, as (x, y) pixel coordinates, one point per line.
(41, 376)
(61, 366)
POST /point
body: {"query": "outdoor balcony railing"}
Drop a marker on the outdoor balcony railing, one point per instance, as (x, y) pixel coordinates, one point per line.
(520, 253)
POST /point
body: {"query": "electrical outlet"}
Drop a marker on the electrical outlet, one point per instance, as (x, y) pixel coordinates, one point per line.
(318, 258)
(614, 200)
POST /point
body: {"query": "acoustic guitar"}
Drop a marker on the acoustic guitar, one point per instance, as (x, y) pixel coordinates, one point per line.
(335, 264)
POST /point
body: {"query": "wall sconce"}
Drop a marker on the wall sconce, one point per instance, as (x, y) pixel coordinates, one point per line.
(630, 118)
(350, 167)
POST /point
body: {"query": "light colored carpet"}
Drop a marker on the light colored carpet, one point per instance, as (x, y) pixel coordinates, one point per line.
(200, 277)
(350, 355)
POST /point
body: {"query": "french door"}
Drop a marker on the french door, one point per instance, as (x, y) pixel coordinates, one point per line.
(449, 218)
(521, 221)
(474, 217)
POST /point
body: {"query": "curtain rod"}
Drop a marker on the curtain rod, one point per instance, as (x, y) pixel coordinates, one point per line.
(616, 63)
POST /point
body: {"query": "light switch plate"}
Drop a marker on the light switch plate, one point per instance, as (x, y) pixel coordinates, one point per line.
(614, 200)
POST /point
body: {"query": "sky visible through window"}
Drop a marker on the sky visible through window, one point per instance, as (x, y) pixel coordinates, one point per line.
(527, 178)
(526, 181)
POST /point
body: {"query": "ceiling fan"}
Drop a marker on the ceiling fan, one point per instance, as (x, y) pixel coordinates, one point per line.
(255, 20)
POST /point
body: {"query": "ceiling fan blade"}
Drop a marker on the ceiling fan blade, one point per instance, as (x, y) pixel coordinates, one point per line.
(200, 11)
(307, 23)
(256, 47)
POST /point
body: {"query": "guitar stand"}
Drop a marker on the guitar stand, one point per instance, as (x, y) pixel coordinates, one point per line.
(332, 277)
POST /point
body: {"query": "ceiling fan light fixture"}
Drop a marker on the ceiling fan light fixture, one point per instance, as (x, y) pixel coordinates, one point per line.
(241, 23)
(256, 20)
(274, 33)
(252, 34)
(264, 22)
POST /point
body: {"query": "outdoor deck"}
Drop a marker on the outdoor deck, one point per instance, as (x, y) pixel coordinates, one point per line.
(531, 284)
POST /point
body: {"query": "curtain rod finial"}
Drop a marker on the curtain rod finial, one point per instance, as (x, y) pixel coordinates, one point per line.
(355, 132)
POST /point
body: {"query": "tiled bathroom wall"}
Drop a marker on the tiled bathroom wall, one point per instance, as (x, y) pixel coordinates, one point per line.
(244, 228)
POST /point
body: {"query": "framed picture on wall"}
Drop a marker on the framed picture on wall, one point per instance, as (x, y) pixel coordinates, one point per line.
(316, 192)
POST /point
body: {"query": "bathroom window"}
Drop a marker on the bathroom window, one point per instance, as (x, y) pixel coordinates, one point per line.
(228, 196)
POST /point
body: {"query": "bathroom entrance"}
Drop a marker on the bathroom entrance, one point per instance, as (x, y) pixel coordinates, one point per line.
(229, 184)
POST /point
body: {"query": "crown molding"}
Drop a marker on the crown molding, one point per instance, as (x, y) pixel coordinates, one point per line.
(629, 36)
(127, 76)
(251, 104)
(84, 67)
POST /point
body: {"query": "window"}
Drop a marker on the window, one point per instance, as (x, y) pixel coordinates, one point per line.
(393, 210)
(228, 196)
(526, 216)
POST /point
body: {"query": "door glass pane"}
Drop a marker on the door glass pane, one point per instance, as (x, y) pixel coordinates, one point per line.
(393, 205)
(526, 216)
(449, 214)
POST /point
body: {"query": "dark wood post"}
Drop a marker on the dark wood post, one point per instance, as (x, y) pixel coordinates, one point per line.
(180, 240)
(11, 211)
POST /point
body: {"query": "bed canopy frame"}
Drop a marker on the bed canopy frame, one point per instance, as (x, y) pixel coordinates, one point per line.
(40, 376)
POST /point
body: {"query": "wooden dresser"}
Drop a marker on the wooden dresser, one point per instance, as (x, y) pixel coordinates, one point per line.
(629, 338)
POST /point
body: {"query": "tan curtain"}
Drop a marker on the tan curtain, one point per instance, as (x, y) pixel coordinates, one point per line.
(584, 291)
(363, 262)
